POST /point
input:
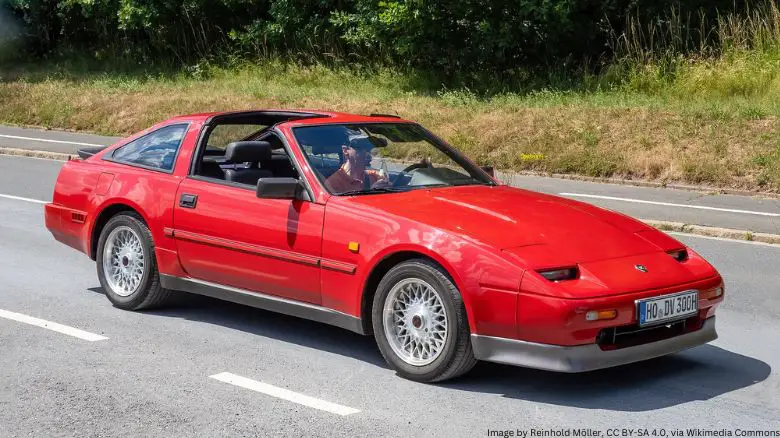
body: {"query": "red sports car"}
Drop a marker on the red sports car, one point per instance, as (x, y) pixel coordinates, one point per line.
(374, 224)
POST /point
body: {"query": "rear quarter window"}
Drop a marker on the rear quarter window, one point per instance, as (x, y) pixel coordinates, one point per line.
(156, 150)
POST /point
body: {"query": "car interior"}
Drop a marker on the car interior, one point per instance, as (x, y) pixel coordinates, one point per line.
(245, 159)
(242, 151)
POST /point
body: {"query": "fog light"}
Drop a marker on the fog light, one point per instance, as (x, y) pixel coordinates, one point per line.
(601, 315)
(718, 291)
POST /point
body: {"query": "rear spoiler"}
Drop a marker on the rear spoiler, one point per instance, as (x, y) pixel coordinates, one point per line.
(85, 153)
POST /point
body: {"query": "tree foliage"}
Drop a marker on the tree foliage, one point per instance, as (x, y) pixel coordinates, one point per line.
(444, 36)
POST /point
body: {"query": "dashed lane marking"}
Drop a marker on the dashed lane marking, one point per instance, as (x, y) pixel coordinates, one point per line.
(284, 394)
(53, 326)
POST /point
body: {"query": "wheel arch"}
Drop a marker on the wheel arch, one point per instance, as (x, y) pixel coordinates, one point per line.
(386, 262)
(108, 211)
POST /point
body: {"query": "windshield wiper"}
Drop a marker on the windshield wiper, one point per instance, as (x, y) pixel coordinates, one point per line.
(371, 191)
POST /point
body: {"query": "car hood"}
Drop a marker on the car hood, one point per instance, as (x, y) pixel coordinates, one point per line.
(549, 229)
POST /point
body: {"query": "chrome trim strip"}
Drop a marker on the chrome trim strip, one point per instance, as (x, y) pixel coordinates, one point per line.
(583, 358)
(247, 247)
(263, 301)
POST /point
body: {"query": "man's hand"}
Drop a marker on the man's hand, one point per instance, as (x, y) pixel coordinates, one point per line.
(381, 183)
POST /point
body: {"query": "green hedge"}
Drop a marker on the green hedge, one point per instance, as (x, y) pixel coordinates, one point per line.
(448, 37)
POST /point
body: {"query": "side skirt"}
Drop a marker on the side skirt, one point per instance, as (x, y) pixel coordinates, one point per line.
(263, 301)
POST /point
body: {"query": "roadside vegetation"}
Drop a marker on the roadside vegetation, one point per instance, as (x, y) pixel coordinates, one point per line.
(676, 101)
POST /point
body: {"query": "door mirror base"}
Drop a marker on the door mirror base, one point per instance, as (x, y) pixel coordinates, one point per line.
(281, 188)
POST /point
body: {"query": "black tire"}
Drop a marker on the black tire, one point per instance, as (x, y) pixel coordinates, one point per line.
(457, 356)
(149, 293)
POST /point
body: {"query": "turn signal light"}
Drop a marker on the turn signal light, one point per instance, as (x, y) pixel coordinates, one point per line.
(711, 294)
(601, 315)
(559, 274)
(680, 255)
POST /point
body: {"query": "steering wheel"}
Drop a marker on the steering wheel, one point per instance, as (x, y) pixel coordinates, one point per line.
(411, 167)
(408, 169)
(425, 162)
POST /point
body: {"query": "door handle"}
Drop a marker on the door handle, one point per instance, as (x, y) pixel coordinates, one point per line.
(188, 201)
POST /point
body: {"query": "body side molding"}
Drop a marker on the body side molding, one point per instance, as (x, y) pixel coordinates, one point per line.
(334, 265)
(247, 247)
(263, 301)
(264, 251)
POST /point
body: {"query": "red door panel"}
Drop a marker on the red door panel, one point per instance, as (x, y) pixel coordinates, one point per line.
(231, 237)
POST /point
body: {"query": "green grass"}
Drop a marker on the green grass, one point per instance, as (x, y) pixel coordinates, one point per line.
(711, 117)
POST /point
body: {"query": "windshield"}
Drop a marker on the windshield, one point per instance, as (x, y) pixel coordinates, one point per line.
(381, 158)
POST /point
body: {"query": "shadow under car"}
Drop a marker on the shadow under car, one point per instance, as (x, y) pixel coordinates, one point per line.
(700, 373)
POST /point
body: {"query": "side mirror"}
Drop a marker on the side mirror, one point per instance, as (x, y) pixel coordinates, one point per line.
(281, 188)
(489, 170)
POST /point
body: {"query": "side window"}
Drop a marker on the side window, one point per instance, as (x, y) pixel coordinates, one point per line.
(156, 150)
(244, 165)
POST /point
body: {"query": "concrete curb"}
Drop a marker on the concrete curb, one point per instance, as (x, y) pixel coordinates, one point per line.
(725, 233)
(35, 154)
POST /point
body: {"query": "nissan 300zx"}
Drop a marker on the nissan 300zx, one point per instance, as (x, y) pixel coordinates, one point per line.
(376, 225)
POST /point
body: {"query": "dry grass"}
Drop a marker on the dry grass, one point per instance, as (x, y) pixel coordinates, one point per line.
(717, 123)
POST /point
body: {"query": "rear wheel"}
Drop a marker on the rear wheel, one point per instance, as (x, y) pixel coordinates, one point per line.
(420, 323)
(126, 265)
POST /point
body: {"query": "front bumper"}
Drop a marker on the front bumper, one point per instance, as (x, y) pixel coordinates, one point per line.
(583, 358)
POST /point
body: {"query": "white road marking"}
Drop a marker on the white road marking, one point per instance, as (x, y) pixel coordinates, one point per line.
(53, 326)
(46, 140)
(669, 204)
(284, 394)
(19, 198)
(722, 239)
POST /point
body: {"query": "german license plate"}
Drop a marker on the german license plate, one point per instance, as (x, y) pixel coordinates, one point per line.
(668, 307)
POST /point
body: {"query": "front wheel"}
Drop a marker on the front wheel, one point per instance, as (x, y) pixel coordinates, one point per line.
(126, 265)
(420, 323)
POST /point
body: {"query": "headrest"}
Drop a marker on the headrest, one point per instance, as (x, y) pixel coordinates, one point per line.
(251, 151)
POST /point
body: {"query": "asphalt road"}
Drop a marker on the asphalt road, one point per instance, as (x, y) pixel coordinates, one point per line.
(51, 141)
(754, 214)
(151, 376)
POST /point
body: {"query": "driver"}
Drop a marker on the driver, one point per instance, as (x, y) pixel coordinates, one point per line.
(354, 173)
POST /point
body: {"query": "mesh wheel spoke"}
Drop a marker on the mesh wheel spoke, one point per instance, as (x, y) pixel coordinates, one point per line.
(123, 261)
(415, 321)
